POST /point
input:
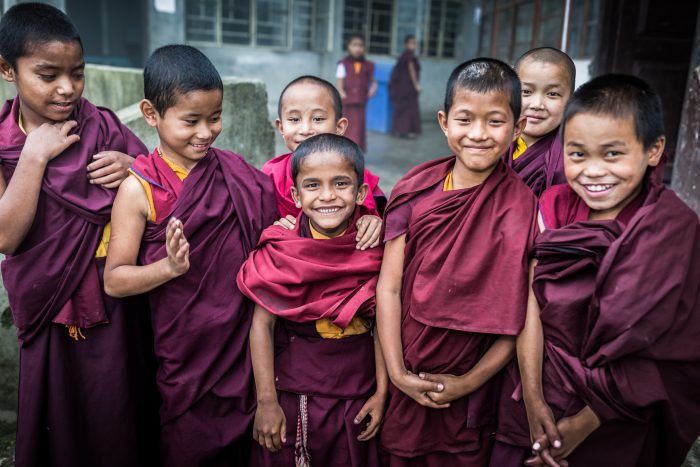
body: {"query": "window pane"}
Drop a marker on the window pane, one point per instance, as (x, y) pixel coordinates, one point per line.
(525, 16)
(485, 39)
(505, 28)
(200, 20)
(235, 22)
(272, 23)
(302, 14)
(453, 19)
(380, 32)
(322, 22)
(552, 17)
(591, 36)
(354, 20)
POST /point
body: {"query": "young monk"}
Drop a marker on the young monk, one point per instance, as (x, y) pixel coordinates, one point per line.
(404, 89)
(609, 356)
(319, 402)
(183, 223)
(356, 84)
(548, 76)
(86, 391)
(309, 106)
(452, 290)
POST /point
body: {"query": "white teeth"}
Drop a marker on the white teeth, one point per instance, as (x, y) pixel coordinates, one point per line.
(328, 211)
(598, 188)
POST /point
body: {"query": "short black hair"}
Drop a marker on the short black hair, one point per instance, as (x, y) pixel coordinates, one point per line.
(328, 142)
(553, 56)
(352, 37)
(620, 96)
(408, 38)
(484, 75)
(175, 70)
(26, 26)
(335, 95)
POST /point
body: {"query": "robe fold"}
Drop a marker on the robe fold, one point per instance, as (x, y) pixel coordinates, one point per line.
(85, 401)
(541, 165)
(357, 94)
(301, 280)
(280, 170)
(404, 97)
(464, 284)
(620, 311)
(200, 320)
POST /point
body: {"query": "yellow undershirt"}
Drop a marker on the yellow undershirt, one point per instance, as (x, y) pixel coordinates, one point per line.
(104, 241)
(358, 67)
(325, 327)
(181, 173)
(520, 148)
(448, 185)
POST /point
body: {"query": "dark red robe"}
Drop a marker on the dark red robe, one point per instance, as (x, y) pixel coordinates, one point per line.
(200, 320)
(404, 97)
(464, 284)
(620, 310)
(357, 94)
(92, 401)
(541, 165)
(302, 280)
(280, 171)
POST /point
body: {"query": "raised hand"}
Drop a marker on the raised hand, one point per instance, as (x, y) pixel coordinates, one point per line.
(177, 247)
(109, 168)
(369, 231)
(49, 140)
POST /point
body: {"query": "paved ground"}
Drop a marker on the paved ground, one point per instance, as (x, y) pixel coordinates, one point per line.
(390, 157)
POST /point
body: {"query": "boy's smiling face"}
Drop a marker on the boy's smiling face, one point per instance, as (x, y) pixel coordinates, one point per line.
(605, 162)
(479, 129)
(187, 129)
(307, 110)
(546, 89)
(326, 191)
(49, 81)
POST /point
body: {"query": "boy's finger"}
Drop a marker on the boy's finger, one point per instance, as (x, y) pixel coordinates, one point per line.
(99, 161)
(361, 229)
(67, 126)
(361, 415)
(553, 435)
(291, 219)
(109, 178)
(374, 240)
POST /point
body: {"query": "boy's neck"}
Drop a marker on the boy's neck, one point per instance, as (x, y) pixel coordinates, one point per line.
(319, 233)
(530, 140)
(186, 165)
(463, 178)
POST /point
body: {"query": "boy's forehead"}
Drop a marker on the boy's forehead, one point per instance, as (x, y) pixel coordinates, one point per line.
(198, 101)
(305, 96)
(551, 71)
(54, 52)
(326, 161)
(495, 100)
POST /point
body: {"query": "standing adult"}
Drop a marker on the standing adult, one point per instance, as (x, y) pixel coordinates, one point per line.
(404, 90)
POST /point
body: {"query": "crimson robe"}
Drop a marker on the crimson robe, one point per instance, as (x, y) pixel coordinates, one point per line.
(280, 171)
(404, 97)
(356, 96)
(91, 401)
(620, 311)
(301, 280)
(200, 319)
(541, 165)
(464, 284)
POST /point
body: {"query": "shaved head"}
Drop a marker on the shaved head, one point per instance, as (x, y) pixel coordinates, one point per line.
(553, 56)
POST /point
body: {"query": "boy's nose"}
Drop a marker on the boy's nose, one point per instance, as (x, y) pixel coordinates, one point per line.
(477, 131)
(65, 87)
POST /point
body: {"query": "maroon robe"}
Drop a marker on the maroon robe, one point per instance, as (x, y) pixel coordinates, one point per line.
(91, 401)
(404, 97)
(620, 310)
(200, 320)
(356, 97)
(464, 284)
(301, 280)
(541, 165)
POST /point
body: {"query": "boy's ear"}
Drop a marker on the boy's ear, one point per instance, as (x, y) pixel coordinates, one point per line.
(656, 151)
(519, 127)
(295, 196)
(149, 112)
(7, 71)
(442, 120)
(341, 126)
(278, 125)
(362, 193)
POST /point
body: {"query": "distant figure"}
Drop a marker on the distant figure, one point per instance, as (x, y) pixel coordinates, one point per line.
(403, 90)
(356, 84)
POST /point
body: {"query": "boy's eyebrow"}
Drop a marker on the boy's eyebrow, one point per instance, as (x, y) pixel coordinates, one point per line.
(547, 86)
(574, 143)
(616, 142)
(51, 66)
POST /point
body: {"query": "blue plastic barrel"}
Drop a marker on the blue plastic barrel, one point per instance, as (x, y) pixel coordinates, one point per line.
(379, 109)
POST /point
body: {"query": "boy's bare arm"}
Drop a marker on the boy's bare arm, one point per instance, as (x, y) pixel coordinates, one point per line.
(19, 198)
(375, 405)
(372, 87)
(389, 326)
(269, 427)
(340, 84)
(122, 276)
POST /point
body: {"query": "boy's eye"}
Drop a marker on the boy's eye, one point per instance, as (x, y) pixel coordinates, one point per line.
(612, 153)
(496, 122)
(526, 92)
(216, 119)
(341, 184)
(463, 120)
(576, 154)
(319, 119)
(79, 75)
(47, 77)
(293, 119)
(310, 186)
(553, 94)
(191, 122)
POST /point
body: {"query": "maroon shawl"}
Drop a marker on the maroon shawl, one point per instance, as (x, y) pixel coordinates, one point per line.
(201, 320)
(357, 84)
(400, 84)
(56, 259)
(467, 247)
(541, 165)
(620, 310)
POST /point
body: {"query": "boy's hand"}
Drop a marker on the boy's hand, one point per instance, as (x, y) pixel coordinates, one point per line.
(574, 430)
(177, 247)
(453, 387)
(543, 428)
(374, 407)
(417, 389)
(109, 168)
(270, 426)
(287, 222)
(369, 231)
(50, 139)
